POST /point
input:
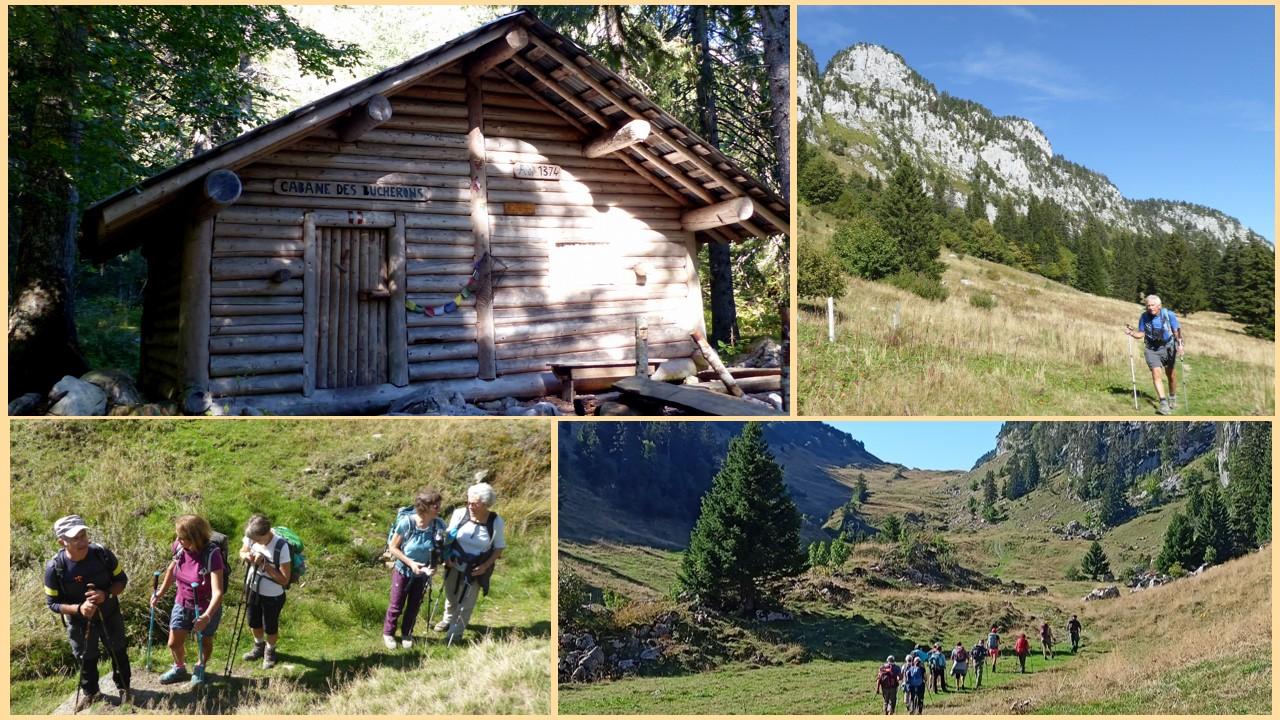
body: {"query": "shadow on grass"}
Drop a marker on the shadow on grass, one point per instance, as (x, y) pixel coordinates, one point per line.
(1144, 397)
(838, 638)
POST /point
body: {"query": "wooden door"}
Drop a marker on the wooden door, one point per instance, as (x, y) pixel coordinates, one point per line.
(351, 282)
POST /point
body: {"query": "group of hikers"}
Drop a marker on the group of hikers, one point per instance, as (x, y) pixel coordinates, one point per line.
(923, 668)
(84, 580)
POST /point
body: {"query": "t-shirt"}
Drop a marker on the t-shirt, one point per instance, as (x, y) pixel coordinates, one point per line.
(1021, 645)
(915, 676)
(1157, 329)
(960, 655)
(1073, 626)
(99, 567)
(266, 586)
(418, 542)
(472, 537)
(192, 567)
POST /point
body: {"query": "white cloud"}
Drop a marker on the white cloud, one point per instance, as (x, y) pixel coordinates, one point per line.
(1022, 13)
(1048, 79)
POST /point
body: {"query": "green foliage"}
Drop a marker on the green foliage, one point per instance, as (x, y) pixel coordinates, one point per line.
(860, 488)
(865, 249)
(891, 529)
(1073, 574)
(982, 300)
(906, 213)
(926, 286)
(1114, 506)
(820, 181)
(748, 532)
(818, 272)
(989, 497)
(1094, 564)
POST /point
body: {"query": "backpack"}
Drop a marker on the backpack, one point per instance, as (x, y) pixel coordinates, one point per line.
(297, 561)
(888, 678)
(217, 541)
(961, 655)
(98, 552)
(1166, 329)
(451, 536)
(937, 659)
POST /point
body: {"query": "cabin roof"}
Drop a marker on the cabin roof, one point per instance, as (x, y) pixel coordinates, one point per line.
(585, 92)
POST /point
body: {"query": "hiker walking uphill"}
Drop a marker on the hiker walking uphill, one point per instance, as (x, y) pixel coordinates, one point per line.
(198, 568)
(270, 570)
(993, 646)
(1073, 629)
(82, 584)
(1046, 640)
(1022, 648)
(959, 664)
(887, 679)
(978, 655)
(475, 540)
(415, 543)
(1163, 342)
(938, 669)
(913, 684)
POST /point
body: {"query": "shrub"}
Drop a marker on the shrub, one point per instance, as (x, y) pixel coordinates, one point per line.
(1073, 573)
(1176, 570)
(982, 300)
(865, 249)
(818, 273)
(922, 285)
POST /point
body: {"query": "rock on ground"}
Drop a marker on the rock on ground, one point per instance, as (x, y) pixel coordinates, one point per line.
(117, 384)
(72, 396)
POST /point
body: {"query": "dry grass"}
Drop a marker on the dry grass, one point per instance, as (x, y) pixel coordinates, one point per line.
(1044, 349)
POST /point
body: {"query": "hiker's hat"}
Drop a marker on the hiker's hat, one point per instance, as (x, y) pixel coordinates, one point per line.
(889, 659)
(69, 526)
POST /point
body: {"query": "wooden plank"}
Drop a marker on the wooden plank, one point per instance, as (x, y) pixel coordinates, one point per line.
(196, 297)
(702, 402)
(487, 354)
(310, 304)
(397, 345)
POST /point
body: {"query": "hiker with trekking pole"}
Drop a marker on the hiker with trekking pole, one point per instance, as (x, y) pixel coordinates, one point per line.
(238, 624)
(272, 559)
(993, 646)
(1022, 648)
(913, 679)
(474, 542)
(978, 655)
(1160, 330)
(82, 584)
(415, 541)
(937, 669)
(198, 570)
(888, 677)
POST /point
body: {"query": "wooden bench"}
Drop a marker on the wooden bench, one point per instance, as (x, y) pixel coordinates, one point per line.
(590, 377)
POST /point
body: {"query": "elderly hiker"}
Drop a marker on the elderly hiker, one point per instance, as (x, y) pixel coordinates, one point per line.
(198, 568)
(887, 680)
(1163, 341)
(475, 540)
(270, 564)
(415, 544)
(913, 679)
(82, 584)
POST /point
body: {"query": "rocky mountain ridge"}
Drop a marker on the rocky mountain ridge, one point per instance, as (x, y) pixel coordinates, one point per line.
(870, 106)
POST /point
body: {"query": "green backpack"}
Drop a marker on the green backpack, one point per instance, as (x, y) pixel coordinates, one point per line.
(297, 561)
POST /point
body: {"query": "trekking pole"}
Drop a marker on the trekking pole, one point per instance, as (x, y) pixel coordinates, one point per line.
(1133, 375)
(111, 653)
(240, 616)
(88, 628)
(1186, 387)
(195, 601)
(151, 624)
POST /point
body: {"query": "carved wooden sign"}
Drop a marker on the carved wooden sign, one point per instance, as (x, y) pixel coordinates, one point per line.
(536, 171)
(360, 191)
(520, 208)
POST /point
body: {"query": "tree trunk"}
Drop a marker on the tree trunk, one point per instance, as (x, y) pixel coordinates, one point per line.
(775, 21)
(724, 311)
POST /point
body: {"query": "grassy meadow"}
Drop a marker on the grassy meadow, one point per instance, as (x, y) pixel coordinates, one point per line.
(337, 484)
(1188, 647)
(1043, 349)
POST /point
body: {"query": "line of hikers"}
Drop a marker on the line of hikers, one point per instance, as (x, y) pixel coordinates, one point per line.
(84, 580)
(928, 668)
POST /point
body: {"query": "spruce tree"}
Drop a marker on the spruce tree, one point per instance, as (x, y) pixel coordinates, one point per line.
(989, 496)
(907, 215)
(748, 532)
(1213, 526)
(891, 530)
(861, 489)
(1179, 543)
(1114, 506)
(1094, 564)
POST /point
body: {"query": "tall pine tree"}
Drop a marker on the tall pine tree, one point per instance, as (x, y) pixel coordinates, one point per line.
(1095, 564)
(906, 213)
(748, 532)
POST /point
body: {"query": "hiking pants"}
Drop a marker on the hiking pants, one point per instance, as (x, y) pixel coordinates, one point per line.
(1022, 662)
(890, 700)
(406, 597)
(1075, 642)
(917, 693)
(938, 677)
(1047, 645)
(89, 653)
(457, 603)
(977, 675)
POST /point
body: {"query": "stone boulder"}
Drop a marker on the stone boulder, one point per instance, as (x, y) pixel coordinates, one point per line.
(1107, 592)
(765, 353)
(73, 397)
(117, 384)
(28, 404)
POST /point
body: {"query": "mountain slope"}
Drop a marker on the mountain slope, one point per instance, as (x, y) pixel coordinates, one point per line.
(870, 107)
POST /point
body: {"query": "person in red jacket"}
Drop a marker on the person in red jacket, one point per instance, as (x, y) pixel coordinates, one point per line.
(1022, 648)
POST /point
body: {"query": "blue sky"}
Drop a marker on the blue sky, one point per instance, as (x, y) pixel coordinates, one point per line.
(948, 445)
(1168, 102)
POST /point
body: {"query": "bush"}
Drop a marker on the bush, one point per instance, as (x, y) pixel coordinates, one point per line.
(1073, 573)
(922, 285)
(818, 273)
(820, 181)
(982, 300)
(574, 593)
(866, 250)
(1176, 570)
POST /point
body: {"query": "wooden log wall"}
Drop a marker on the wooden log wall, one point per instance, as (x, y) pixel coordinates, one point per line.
(160, 364)
(541, 314)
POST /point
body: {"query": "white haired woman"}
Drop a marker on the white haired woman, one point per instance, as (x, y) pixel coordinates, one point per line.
(475, 540)
(1163, 335)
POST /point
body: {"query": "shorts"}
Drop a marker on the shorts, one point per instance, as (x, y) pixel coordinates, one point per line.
(264, 613)
(181, 618)
(960, 669)
(1164, 356)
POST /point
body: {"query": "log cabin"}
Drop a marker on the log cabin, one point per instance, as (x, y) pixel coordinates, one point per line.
(461, 221)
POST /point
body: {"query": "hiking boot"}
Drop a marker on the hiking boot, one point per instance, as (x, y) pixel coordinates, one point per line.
(173, 675)
(87, 700)
(389, 641)
(407, 642)
(1173, 402)
(197, 675)
(441, 626)
(126, 698)
(255, 653)
(1164, 407)
(269, 658)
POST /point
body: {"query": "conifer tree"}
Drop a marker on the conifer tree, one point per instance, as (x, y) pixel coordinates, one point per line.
(1114, 505)
(1179, 543)
(860, 489)
(989, 496)
(1095, 564)
(906, 213)
(891, 530)
(748, 532)
(1213, 526)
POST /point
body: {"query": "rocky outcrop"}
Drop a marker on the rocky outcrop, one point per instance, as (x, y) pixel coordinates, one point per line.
(1107, 592)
